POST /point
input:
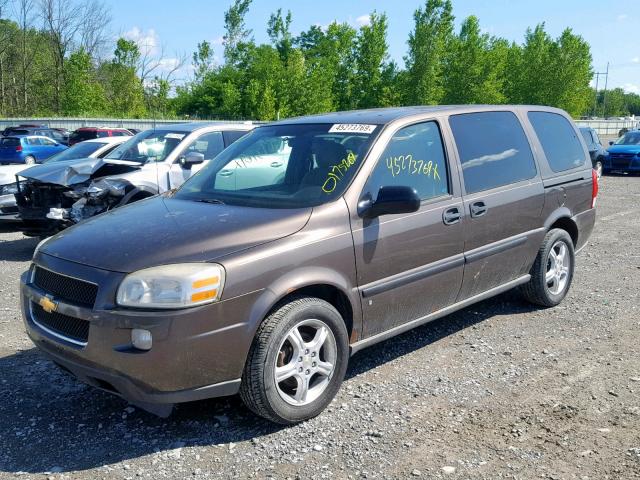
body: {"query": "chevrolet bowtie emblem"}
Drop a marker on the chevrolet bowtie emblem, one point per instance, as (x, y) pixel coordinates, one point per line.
(48, 305)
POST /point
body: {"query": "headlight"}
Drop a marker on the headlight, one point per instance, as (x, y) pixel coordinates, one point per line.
(172, 286)
(103, 186)
(10, 188)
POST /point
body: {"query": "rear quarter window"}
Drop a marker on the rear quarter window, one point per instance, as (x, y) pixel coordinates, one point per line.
(493, 149)
(559, 140)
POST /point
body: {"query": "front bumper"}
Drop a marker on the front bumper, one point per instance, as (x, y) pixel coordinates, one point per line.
(8, 212)
(619, 163)
(197, 353)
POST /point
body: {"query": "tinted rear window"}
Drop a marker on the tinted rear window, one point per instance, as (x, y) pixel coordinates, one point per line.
(9, 142)
(15, 131)
(83, 135)
(559, 140)
(493, 148)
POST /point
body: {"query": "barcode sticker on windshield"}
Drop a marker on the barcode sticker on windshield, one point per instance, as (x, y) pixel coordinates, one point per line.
(352, 128)
(177, 136)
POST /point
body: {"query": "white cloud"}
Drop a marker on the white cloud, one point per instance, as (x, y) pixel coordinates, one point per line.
(218, 41)
(148, 41)
(631, 88)
(363, 20)
(622, 17)
(635, 60)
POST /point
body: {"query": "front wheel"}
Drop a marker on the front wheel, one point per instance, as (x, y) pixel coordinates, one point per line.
(297, 361)
(552, 272)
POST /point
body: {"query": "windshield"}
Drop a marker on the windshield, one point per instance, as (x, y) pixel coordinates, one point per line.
(283, 166)
(629, 138)
(149, 146)
(79, 150)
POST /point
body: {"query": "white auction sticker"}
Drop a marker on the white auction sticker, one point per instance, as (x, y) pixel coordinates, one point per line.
(352, 128)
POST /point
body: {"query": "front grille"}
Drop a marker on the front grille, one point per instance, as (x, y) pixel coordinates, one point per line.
(627, 156)
(72, 328)
(66, 288)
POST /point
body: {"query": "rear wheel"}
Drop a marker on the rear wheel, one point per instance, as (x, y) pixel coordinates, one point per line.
(297, 361)
(29, 160)
(552, 272)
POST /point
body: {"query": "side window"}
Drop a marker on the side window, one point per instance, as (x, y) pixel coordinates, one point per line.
(231, 136)
(493, 149)
(34, 141)
(47, 141)
(559, 140)
(414, 157)
(596, 138)
(209, 144)
(102, 134)
(108, 150)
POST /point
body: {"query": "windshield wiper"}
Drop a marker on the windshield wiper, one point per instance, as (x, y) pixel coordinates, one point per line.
(210, 200)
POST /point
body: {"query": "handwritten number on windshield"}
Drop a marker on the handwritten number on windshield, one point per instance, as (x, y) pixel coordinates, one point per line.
(337, 172)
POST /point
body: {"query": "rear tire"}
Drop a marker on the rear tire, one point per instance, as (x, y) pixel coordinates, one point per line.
(29, 160)
(552, 272)
(297, 361)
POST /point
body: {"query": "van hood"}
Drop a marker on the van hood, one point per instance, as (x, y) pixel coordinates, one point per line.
(73, 172)
(163, 230)
(624, 149)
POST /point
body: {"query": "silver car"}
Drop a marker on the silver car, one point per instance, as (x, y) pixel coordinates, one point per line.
(60, 194)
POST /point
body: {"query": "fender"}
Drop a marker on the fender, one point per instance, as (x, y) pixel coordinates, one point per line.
(298, 279)
(557, 214)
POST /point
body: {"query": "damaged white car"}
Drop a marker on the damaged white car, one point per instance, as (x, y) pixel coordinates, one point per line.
(60, 194)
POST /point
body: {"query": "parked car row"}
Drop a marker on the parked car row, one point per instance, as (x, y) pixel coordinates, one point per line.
(63, 136)
(623, 155)
(289, 247)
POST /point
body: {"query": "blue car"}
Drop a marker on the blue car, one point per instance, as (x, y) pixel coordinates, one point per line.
(624, 153)
(27, 149)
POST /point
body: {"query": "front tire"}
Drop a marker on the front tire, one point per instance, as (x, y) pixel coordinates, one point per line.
(552, 272)
(29, 160)
(297, 361)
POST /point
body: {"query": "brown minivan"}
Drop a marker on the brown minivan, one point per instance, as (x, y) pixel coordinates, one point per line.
(306, 241)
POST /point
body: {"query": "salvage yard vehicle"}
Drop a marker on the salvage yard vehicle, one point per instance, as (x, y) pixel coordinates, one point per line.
(624, 153)
(596, 150)
(97, 148)
(27, 149)
(89, 133)
(57, 195)
(383, 220)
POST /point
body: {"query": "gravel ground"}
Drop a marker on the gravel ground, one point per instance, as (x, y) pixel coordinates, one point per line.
(499, 390)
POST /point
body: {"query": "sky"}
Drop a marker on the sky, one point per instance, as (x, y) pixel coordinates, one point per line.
(612, 27)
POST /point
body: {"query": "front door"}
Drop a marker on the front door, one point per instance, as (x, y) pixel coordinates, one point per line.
(410, 265)
(503, 199)
(209, 144)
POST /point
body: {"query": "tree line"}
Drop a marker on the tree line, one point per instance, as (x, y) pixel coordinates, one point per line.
(58, 57)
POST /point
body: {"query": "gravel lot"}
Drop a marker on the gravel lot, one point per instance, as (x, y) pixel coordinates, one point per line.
(499, 390)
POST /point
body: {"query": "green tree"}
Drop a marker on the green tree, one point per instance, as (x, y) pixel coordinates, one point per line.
(475, 66)
(202, 60)
(371, 55)
(237, 36)
(428, 45)
(82, 95)
(279, 30)
(124, 91)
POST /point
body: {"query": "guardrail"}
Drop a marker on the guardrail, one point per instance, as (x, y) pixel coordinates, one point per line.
(609, 128)
(74, 123)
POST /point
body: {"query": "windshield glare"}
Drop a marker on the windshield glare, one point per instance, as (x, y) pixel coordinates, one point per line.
(149, 146)
(629, 138)
(79, 150)
(283, 166)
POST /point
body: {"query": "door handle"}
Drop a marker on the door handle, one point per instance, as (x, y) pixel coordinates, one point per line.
(478, 209)
(451, 216)
(225, 173)
(276, 164)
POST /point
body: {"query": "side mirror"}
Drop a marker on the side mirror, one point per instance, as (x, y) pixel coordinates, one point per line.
(391, 200)
(610, 142)
(191, 158)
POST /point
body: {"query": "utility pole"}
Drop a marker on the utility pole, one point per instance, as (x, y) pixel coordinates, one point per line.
(595, 100)
(604, 99)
